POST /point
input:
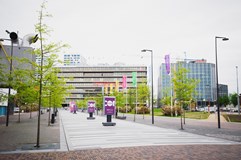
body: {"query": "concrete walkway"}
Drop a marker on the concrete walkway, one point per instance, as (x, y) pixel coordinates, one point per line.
(214, 118)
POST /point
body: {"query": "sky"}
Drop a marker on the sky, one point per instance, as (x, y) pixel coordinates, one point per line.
(111, 31)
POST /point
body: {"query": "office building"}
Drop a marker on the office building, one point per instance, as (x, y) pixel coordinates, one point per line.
(18, 52)
(93, 80)
(198, 69)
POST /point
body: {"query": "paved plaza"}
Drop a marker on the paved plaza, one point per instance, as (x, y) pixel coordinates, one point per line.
(73, 136)
(83, 134)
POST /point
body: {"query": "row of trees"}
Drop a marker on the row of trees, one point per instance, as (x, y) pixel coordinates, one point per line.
(227, 100)
(143, 95)
(38, 81)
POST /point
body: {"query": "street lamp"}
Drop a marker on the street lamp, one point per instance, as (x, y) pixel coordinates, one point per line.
(238, 91)
(216, 56)
(14, 39)
(148, 50)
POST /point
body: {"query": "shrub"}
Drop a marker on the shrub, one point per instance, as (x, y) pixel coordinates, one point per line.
(123, 109)
(143, 110)
(167, 110)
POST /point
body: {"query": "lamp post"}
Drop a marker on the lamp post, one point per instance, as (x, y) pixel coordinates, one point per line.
(238, 91)
(216, 57)
(148, 50)
(14, 39)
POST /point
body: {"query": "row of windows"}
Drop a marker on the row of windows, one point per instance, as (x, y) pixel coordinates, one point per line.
(99, 74)
(98, 84)
(103, 69)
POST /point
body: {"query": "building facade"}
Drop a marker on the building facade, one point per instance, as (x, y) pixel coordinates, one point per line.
(93, 80)
(223, 90)
(18, 52)
(198, 69)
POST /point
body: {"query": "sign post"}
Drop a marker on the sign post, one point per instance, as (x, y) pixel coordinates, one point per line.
(91, 109)
(109, 110)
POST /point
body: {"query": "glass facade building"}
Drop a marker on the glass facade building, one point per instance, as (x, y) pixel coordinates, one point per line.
(198, 69)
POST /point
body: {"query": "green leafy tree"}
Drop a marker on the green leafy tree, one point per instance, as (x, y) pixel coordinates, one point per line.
(120, 100)
(82, 103)
(46, 49)
(131, 97)
(166, 101)
(143, 95)
(3, 77)
(99, 102)
(184, 88)
(223, 101)
(233, 99)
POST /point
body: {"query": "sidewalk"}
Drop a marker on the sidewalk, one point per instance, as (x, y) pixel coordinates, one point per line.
(22, 136)
(88, 139)
(213, 117)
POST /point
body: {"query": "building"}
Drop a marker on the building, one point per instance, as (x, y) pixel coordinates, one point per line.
(93, 80)
(18, 52)
(223, 90)
(74, 60)
(198, 69)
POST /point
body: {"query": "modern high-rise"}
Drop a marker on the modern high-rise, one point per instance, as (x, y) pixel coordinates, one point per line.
(198, 69)
(92, 80)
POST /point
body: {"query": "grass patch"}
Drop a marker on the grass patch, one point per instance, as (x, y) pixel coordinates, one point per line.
(197, 115)
(232, 117)
(158, 112)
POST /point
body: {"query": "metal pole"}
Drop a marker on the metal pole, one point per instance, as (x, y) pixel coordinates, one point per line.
(238, 91)
(216, 56)
(136, 104)
(171, 89)
(145, 50)
(10, 80)
(152, 87)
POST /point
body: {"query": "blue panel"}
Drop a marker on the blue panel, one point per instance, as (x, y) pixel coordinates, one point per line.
(2, 110)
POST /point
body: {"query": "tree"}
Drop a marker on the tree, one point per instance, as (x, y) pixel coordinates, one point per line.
(224, 100)
(131, 97)
(233, 99)
(143, 95)
(166, 100)
(3, 77)
(46, 49)
(54, 90)
(184, 88)
(120, 100)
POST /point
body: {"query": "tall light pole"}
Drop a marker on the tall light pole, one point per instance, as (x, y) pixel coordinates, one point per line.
(238, 91)
(216, 57)
(14, 39)
(148, 50)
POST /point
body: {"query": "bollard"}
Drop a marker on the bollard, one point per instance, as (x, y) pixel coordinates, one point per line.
(52, 118)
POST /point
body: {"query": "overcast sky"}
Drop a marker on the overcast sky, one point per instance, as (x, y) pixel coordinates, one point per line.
(112, 31)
